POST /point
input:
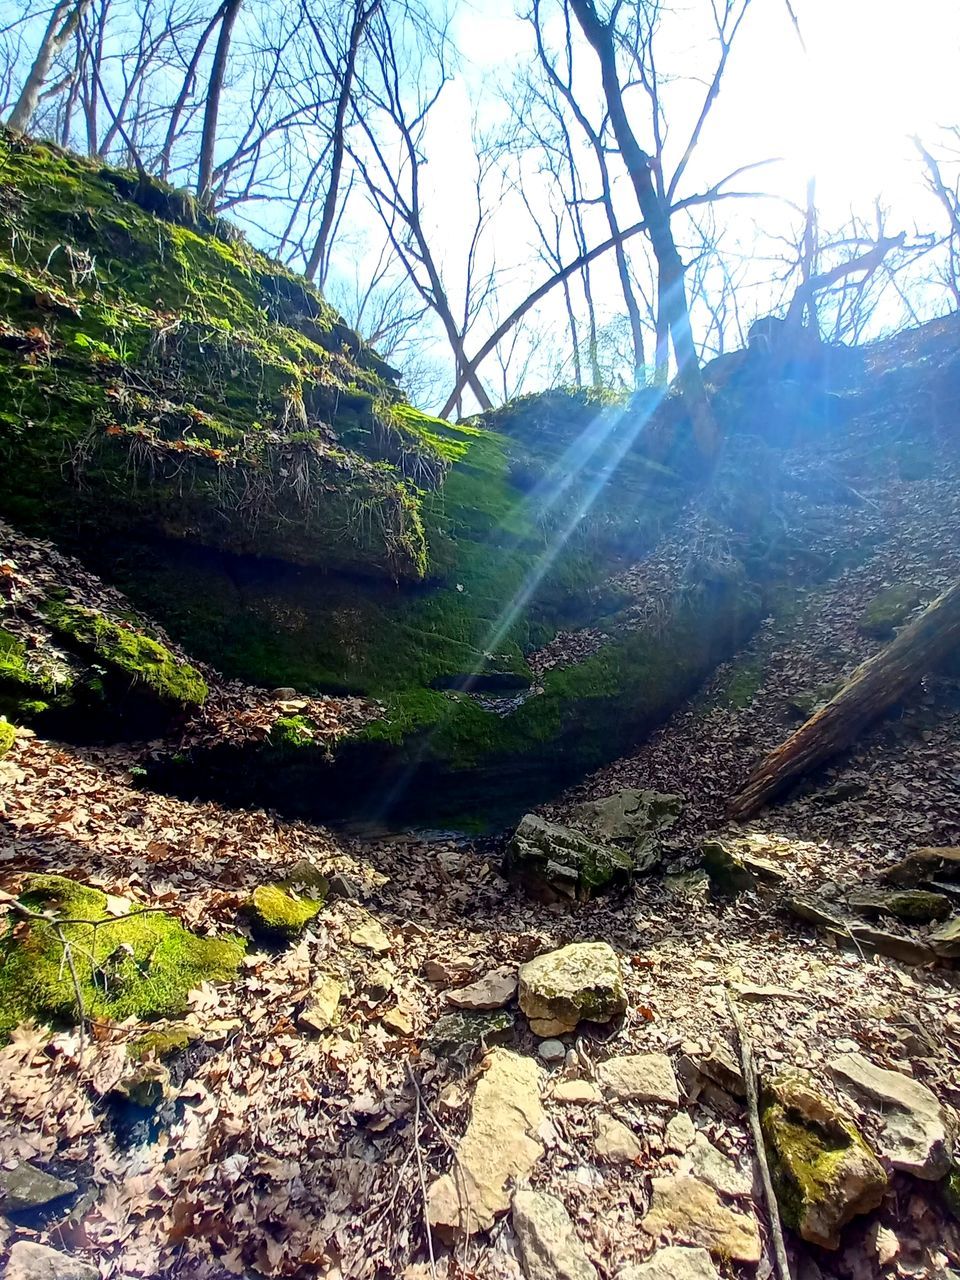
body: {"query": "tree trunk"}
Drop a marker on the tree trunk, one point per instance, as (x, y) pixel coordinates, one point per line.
(208, 139)
(657, 217)
(872, 689)
(63, 23)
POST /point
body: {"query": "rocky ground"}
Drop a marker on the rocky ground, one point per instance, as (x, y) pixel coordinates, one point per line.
(337, 1113)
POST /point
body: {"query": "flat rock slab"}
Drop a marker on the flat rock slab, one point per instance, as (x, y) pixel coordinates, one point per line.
(320, 1011)
(492, 991)
(705, 1162)
(681, 1132)
(550, 1248)
(25, 1187)
(687, 1209)
(914, 1132)
(914, 906)
(580, 981)
(640, 1077)
(38, 1262)
(679, 1262)
(616, 1142)
(938, 862)
(945, 941)
(370, 936)
(499, 1147)
(577, 1092)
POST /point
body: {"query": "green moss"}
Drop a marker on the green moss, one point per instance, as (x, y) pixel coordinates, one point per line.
(292, 732)
(741, 686)
(889, 610)
(7, 737)
(275, 913)
(951, 1192)
(144, 660)
(142, 966)
(171, 1038)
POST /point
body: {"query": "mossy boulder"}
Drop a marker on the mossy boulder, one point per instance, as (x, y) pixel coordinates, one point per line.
(913, 906)
(890, 609)
(632, 819)
(824, 1173)
(7, 737)
(582, 981)
(276, 914)
(141, 965)
(555, 862)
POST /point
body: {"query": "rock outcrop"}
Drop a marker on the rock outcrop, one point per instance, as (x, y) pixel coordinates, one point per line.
(555, 862)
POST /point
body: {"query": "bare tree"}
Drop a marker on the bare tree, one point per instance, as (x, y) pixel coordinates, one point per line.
(211, 114)
(61, 28)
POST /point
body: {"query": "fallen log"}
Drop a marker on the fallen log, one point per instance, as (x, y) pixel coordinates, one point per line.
(875, 686)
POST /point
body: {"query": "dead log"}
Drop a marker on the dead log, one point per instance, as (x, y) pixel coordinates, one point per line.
(875, 686)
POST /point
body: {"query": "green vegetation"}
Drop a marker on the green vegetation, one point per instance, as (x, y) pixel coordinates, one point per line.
(889, 610)
(142, 659)
(7, 737)
(275, 913)
(140, 966)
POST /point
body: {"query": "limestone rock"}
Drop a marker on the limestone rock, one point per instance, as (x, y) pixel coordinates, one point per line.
(370, 936)
(552, 1051)
(894, 945)
(632, 819)
(550, 1248)
(492, 991)
(499, 1147)
(580, 1092)
(721, 1068)
(914, 1132)
(678, 1262)
(320, 1011)
(640, 1077)
(933, 862)
(554, 862)
(915, 906)
(25, 1187)
(738, 872)
(582, 980)
(945, 941)
(824, 1173)
(38, 1262)
(687, 1209)
(616, 1142)
(461, 1035)
(680, 1133)
(705, 1162)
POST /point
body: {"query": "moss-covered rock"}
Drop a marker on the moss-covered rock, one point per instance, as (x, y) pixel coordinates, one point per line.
(823, 1171)
(579, 981)
(555, 862)
(914, 906)
(889, 610)
(7, 737)
(142, 965)
(276, 914)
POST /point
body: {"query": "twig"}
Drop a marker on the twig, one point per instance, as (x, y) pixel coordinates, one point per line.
(423, 1184)
(753, 1112)
(78, 994)
(459, 1178)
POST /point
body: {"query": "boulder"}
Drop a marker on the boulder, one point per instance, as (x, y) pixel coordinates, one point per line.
(705, 1162)
(889, 610)
(580, 981)
(277, 915)
(933, 862)
(550, 1248)
(678, 1262)
(577, 1092)
(739, 872)
(680, 1133)
(640, 1077)
(499, 1148)
(492, 991)
(554, 863)
(915, 906)
(616, 1142)
(823, 1172)
(461, 1035)
(686, 1209)
(853, 932)
(945, 941)
(632, 819)
(38, 1262)
(26, 1187)
(913, 1129)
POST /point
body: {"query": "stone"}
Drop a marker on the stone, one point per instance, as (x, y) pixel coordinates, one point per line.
(554, 863)
(397, 1020)
(460, 1036)
(552, 1051)
(814, 911)
(915, 906)
(708, 1164)
(582, 980)
(38, 1262)
(284, 694)
(631, 819)
(740, 872)
(277, 915)
(499, 1147)
(894, 945)
(320, 1011)
(889, 610)
(823, 1172)
(913, 1130)
(370, 936)
(687, 1209)
(25, 1187)
(145, 1083)
(343, 887)
(616, 1142)
(378, 984)
(933, 862)
(447, 971)
(304, 875)
(678, 1262)
(577, 1092)
(680, 1133)
(550, 1248)
(721, 1068)
(492, 991)
(945, 941)
(640, 1077)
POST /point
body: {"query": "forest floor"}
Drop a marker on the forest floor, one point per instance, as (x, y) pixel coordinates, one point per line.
(298, 1154)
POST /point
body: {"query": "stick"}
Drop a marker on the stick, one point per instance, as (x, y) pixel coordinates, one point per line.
(423, 1185)
(753, 1112)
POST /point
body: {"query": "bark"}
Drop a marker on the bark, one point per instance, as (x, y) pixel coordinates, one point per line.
(63, 23)
(874, 687)
(657, 217)
(211, 115)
